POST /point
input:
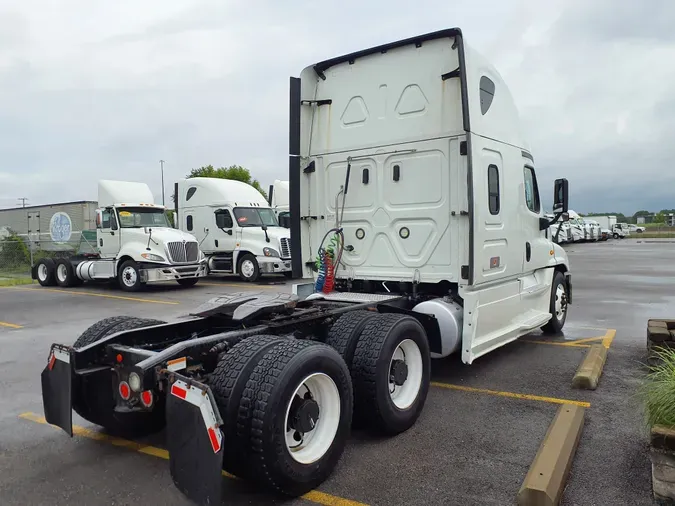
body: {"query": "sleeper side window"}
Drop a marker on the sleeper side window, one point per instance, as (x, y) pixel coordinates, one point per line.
(493, 189)
(191, 191)
(531, 190)
(188, 220)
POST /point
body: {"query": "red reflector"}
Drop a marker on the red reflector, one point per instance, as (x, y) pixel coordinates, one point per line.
(125, 391)
(52, 359)
(146, 398)
(119, 357)
(178, 392)
(214, 439)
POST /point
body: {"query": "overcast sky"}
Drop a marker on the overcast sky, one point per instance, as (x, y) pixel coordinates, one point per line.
(93, 89)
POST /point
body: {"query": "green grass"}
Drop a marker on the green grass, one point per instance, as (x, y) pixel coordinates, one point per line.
(15, 281)
(658, 390)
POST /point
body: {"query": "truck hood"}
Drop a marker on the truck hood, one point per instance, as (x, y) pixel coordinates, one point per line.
(253, 239)
(160, 235)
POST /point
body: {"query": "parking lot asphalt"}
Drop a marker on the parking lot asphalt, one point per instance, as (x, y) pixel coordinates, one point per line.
(473, 444)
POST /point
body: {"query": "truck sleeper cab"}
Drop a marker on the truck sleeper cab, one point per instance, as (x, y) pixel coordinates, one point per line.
(236, 228)
(417, 225)
(135, 242)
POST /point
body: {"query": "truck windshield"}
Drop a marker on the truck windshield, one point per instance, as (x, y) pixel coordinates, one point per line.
(137, 217)
(255, 217)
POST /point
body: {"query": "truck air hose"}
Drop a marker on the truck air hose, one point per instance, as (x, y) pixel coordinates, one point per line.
(327, 260)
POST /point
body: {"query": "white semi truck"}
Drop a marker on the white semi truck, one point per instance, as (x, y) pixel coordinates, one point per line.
(236, 228)
(417, 225)
(136, 245)
(278, 200)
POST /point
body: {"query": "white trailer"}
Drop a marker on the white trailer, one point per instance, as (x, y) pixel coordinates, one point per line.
(236, 228)
(278, 200)
(411, 182)
(135, 243)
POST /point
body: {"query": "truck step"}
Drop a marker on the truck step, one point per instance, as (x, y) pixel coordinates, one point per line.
(352, 297)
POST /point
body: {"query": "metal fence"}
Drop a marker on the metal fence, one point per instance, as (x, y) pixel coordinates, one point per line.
(18, 253)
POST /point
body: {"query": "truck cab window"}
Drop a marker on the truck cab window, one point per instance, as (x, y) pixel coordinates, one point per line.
(224, 219)
(188, 219)
(191, 191)
(105, 218)
(531, 190)
(493, 189)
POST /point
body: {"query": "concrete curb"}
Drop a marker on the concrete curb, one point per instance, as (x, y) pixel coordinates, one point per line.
(588, 374)
(546, 479)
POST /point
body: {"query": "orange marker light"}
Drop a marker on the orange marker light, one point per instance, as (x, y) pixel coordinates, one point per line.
(119, 357)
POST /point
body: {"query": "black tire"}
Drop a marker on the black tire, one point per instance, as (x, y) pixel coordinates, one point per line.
(556, 324)
(125, 278)
(187, 282)
(64, 273)
(93, 397)
(228, 382)
(256, 268)
(272, 383)
(345, 332)
(48, 275)
(616, 236)
(373, 404)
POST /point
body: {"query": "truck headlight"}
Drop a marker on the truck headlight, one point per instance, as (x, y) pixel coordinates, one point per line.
(152, 257)
(269, 252)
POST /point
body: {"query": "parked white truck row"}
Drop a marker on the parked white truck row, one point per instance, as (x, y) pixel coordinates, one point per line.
(575, 228)
(222, 226)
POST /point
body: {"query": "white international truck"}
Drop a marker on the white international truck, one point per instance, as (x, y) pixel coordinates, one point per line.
(136, 245)
(236, 228)
(278, 200)
(417, 225)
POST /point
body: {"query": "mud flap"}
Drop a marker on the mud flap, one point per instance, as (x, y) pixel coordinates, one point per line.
(57, 398)
(194, 440)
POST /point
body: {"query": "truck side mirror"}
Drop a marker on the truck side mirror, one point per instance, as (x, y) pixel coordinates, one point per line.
(99, 218)
(560, 196)
(565, 217)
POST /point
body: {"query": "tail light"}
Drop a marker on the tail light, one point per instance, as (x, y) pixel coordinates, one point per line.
(147, 398)
(124, 390)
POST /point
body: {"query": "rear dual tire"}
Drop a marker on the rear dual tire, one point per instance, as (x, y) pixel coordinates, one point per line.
(286, 405)
(45, 272)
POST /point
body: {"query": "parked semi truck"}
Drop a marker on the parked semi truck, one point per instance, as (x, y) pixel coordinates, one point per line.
(136, 245)
(418, 231)
(278, 200)
(236, 228)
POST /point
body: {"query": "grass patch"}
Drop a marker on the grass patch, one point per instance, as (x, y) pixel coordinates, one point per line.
(16, 281)
(658, 390)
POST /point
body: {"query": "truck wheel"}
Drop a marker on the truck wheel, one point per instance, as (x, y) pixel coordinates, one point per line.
(558, 305)
(248, 268)
(129, 276)
(302, 418)
(187, 282)
(65, 274)
(93, 397)
(345, 332)
(616, 236)
(45, 272)
(228, 382)
(391, 373)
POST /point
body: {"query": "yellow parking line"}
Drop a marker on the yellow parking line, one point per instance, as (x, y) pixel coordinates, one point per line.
(609, 337)
(512, 395)
(93, 294)
(10, 325)
(314, 496)
(569, 344)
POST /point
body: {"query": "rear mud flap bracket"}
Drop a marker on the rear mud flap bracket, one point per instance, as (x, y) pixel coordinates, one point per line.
(195, 440)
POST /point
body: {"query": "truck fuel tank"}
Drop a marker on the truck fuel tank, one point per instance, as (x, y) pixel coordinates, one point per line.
(449, 315)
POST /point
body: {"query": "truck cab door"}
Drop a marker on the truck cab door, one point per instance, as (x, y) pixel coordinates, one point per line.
(225, 240)
(108, 234)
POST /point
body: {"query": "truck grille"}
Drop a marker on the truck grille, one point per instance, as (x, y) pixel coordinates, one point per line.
(183, 252)
(285, 247)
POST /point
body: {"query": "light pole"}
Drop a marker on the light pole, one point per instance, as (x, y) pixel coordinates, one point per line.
(161, 164)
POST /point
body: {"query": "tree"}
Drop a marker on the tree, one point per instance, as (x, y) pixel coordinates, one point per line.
(236, 172)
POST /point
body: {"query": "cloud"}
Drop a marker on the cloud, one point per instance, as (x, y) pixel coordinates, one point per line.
(91, 90)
